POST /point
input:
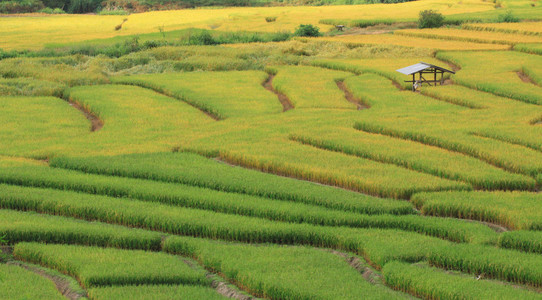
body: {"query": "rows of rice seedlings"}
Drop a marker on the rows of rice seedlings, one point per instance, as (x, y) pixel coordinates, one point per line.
(499, 79)
(30, 87)
(278, 272)
(19, 283)
(435, 161)
(527, 28)
(516, 210)
(431, 283)
(146, 292)
(222, 94)
(30, 226)
(471, 36)
(292, 159)
(195, 170)
(409, 41)
(95, 266)
(529, 48)
(310, 87)
(411, 116)
(171, 219)
(490, 262)
(527, 241)
(41, 176)
(30, 124)
(65, 70)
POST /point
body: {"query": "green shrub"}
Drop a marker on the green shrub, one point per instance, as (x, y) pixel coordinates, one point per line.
(20, 6)
(113, 12)
(201, 38)
(307, 30)
(56, 11)
(507, 17)
(270, 19)
(84, 6)
(3, 239)
(430, 19)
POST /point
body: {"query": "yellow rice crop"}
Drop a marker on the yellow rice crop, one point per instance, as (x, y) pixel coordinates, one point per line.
(34, 32)
(401, 40)
(471, 36)
(529, 28)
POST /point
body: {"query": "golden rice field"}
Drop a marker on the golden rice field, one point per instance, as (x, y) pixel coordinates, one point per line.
(232, 164)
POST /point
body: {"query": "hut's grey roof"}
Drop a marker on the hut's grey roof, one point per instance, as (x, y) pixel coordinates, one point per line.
(420, 67)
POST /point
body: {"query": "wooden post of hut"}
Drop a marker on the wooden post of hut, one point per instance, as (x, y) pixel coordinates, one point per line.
(421, 69)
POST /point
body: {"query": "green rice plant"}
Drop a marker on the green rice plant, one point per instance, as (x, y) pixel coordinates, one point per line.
(148, 292)
(309, 87)
(94, 266)
(529, 48)
(33, 124)
(490, 262)
(500, 79)
(30, 226)
(516, 210)
(527, 241)
(435, 161)
(244, 95)
(470, 36)
(427, 282)
(278, 272)
(129, 212)
(19, 283)
(195, 170)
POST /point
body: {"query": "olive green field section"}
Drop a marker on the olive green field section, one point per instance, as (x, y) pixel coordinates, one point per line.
(94, 266)
(19, 283)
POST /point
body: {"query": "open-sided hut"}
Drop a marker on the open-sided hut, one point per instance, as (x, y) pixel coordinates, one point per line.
(424, 69)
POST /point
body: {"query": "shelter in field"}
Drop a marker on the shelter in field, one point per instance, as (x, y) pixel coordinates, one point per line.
(421, 69)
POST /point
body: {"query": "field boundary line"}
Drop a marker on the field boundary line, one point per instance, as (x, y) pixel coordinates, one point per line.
(283, 99)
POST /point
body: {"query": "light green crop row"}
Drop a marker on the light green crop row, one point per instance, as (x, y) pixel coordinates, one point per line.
(528, 241)
(19, 283)
(174, 219)
(148, 292)
(430, 283)
(435, 161)
(30, 226)
(195, 170)
(517, 210)
(94, 266)
(279, 272)
(509, 265)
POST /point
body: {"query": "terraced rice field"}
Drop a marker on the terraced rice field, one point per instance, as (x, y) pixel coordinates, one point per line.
(301, 169)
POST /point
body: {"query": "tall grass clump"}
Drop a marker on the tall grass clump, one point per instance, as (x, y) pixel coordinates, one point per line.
(527, 241)
(430, 19)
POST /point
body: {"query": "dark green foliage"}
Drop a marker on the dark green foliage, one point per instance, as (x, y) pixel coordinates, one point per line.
(20, 6)
(430, 19)
(3, 239)
(307, 30)
(507, 17)
(83, 6)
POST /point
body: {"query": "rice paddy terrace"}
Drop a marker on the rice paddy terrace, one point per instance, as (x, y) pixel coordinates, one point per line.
(295, 169)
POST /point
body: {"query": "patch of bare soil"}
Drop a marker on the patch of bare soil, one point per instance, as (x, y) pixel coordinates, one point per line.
(220, 286)
(350, 97)
(360, 266)
(97, 124)
(62, 284)
(6, 250)
(525, 78)
(268, 85)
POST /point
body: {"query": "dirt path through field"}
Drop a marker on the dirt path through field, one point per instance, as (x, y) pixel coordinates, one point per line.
(62, 284)
(268, 85)
(360, 266)
(525, 78)
(220, 286)
(350, 97)
(96, 123)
